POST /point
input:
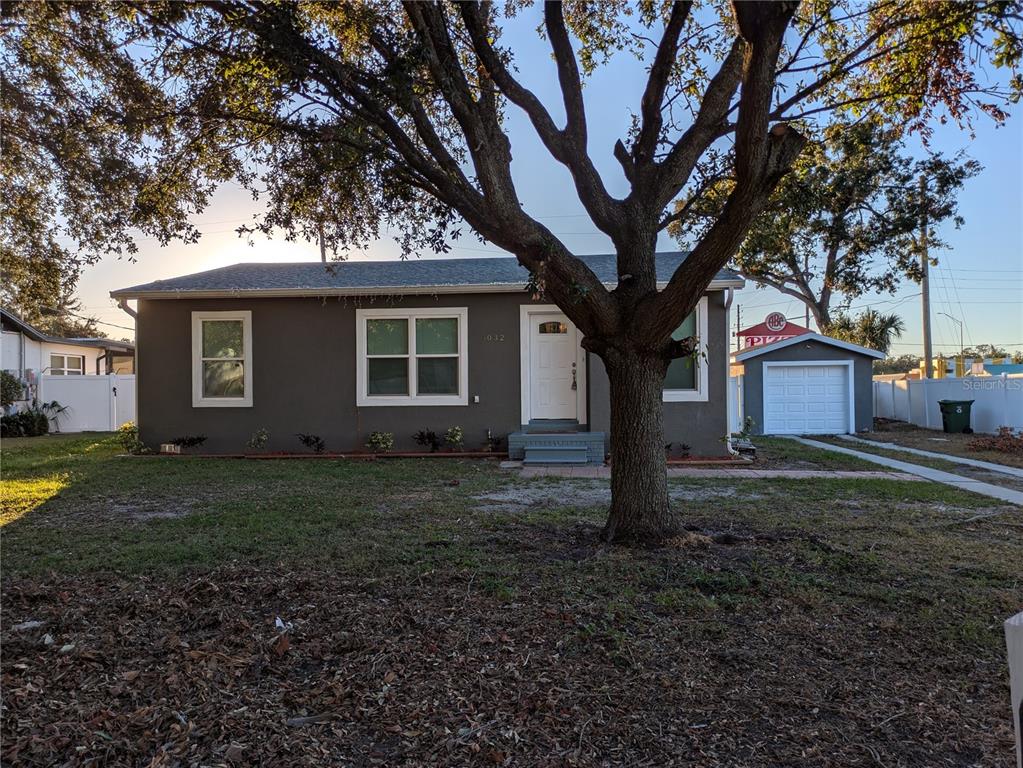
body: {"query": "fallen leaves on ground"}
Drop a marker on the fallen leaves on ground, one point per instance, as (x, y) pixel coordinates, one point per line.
(194, 670)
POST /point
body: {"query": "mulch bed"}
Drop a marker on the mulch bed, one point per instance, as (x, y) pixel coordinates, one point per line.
(192, 670)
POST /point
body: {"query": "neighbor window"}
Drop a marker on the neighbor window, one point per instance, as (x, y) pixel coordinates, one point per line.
(412, 357)
(67, 365)
(221, 359)
(686, 379)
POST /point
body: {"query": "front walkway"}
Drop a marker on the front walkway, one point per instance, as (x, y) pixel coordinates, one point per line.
(951, 457)
(927, 473)
(696, 472)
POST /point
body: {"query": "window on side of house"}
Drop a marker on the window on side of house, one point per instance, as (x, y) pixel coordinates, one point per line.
(686, 380)
(67, 365)
(412, 356)
(222, 359)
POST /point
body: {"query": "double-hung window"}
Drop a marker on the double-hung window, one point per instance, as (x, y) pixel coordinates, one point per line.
(686, 380)
(67, 365)
(222, 359)
(412, 356)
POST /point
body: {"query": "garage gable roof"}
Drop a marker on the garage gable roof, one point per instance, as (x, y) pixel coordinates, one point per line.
(760, 349)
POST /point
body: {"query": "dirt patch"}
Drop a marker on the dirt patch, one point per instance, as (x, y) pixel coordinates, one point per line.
(152, 510)
(581, 493)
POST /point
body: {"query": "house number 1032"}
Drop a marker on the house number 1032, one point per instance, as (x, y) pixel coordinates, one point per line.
(494, 337)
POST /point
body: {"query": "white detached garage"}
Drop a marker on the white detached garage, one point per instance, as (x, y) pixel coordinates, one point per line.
(807, 385)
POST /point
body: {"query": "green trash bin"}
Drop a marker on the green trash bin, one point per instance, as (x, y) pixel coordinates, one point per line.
(955, 415)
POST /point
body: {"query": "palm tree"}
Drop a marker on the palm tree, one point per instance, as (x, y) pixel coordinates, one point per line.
(868, 329)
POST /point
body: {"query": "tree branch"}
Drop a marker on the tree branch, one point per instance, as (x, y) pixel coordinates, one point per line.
(657, 83)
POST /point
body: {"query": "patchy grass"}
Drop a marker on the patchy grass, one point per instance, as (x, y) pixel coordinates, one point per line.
(782, 453)
(946, 465)
(912, 436)
(852, 622)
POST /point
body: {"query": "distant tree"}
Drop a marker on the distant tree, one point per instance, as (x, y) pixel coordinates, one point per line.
(43, 297)
(868, 329)
(346, 118)
(900, 364)
(986, 350)
(846, 219)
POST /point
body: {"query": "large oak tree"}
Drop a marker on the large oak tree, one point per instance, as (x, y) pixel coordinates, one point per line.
(349, 117)
(846, 220)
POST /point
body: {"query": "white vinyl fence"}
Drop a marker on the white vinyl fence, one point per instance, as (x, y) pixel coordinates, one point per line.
(997, 400)
(94, 403)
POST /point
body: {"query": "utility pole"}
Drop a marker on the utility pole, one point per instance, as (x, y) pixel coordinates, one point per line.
(925, 286)
(738, 325)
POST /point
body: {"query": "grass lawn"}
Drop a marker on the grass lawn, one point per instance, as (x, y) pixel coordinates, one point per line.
(912, 436)
(444, 612)
(946, 465)
(782, 453)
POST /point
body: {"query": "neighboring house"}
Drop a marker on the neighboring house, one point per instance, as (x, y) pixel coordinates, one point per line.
(29, 353)
(807, 384)
(400, 346)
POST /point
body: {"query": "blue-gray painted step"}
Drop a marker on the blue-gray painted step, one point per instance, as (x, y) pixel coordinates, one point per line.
(563, 445)
(542, 426)
(556, 454)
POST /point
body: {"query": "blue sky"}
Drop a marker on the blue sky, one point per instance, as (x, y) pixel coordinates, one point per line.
(979, 279)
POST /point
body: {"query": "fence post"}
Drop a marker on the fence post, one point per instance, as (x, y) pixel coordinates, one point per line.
(112, 399)
(1005, 404)
(1014, 646)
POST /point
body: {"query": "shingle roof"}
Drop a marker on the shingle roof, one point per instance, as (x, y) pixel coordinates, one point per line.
(36, 335)
(361, 277)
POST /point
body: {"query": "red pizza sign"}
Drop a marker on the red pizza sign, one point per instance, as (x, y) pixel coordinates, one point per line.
(775, 322)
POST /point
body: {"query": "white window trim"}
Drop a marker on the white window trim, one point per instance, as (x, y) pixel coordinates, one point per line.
(850, 370)
(63, 368)
(363, 399)
(702, 392)
(198, 401)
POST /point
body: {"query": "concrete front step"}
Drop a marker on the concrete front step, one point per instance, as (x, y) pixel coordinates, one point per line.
(556, 454)
(557, 447)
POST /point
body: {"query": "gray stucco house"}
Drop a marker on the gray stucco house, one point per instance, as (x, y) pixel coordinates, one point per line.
(809, 384)
(352, 348)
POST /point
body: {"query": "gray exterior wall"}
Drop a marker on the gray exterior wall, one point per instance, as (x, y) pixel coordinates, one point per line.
(304, 377)
(702, 426)
(753, 379)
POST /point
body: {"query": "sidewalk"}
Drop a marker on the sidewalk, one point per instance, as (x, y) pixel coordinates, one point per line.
(927, 473)
(987, 465)
(696, 472)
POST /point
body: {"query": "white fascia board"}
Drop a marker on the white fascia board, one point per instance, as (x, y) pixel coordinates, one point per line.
(765, 348)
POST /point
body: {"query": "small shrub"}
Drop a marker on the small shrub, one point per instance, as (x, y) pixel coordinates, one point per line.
(1005, 440)
(427, 438)
(128, 435)
(380, 442)
(313, 442)
(31, 422)
(11, 388)
(259, 439)
(455, 438)
(677, 450)
(189, 441)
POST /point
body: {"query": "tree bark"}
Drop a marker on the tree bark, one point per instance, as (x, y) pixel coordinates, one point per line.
(639, 484)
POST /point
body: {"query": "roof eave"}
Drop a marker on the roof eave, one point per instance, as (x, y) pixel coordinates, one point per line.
(417, 290)
(761, 349)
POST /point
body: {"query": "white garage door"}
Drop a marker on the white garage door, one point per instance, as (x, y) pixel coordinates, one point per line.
(806, 399)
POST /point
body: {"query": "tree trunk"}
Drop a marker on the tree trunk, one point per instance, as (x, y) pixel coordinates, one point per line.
(639, 483)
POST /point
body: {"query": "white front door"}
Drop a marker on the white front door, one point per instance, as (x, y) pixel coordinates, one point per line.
(552, 367)
(806, 399)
